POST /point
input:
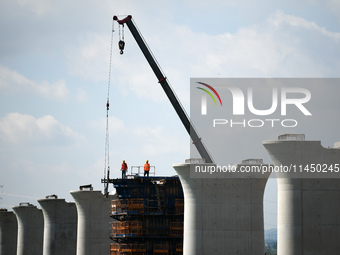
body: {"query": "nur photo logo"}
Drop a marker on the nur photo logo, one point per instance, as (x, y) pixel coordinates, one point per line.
(204, 98)
(279, 101)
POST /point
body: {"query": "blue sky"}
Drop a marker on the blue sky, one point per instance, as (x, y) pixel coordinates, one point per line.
(54, 66)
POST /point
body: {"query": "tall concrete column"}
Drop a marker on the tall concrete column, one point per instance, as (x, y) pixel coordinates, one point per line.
(308, 203)
(93, 209)
(30, 229)
(60, 226)
(8, 233)
(222, 215)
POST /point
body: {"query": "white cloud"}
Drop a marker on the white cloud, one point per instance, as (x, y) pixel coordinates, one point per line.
(81, 95)
(142, 82)
(334, 6)
(24, 129)
(115, 125)
(160, 141)
(14, 82)
(283, 46)
(88, 58)
(39, 7)
(279, 18)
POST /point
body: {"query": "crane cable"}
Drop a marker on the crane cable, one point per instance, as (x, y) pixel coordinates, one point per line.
(107, 140)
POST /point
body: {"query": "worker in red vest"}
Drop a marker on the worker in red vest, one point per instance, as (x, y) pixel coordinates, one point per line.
(124, 169)
(146, 168)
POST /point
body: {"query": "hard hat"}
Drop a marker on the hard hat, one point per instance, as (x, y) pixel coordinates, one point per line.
(147, 161)
(123, 161)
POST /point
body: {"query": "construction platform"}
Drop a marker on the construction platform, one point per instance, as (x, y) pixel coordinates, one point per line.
(148, 215)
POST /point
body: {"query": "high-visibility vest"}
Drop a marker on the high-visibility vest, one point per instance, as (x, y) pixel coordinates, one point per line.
(147, 167)
(124, 166)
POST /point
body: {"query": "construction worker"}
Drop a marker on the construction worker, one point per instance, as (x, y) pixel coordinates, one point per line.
(124, 169)
(146, 168)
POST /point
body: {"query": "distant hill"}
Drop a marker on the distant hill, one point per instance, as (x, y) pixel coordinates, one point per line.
(270, 234)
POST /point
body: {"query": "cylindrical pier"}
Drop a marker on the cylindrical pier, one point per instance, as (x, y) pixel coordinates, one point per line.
(308, 200)
(60, 226)
(8, 233)
(30, 229)
(222, 216)
(93, 209)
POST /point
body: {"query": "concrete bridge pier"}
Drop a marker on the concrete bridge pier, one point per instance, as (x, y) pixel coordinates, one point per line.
(222, 215)
(60, 226)
(93, 210)
(8, 232)
(308, 200)
(30, 229)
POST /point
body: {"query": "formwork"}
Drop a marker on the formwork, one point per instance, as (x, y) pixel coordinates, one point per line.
(127, 228)
(127, 249)
(149, 214)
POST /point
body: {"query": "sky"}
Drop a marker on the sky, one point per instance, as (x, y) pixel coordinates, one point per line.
(54, 79)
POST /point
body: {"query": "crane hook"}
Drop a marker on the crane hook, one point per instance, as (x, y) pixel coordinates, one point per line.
(121, 45)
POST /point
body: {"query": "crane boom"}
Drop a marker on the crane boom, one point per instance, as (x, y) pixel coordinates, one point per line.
(166, 87)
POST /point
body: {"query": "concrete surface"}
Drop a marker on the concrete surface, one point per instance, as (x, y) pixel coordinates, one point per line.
(30, 229)
(60, 226)
(8, 233)
(308, 208)
(222, 216)
(93, 234)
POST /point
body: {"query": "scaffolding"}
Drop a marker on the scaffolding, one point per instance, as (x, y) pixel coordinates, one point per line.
(126, 206)
(127, 249)
(176, 228)
(179, 249)
(179, 206)
(152, 206)
(149, 214)
(140, 249)
(161, 249)
(136, 206)
(127, 228)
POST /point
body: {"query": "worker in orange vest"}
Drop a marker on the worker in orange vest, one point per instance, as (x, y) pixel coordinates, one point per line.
(124, 169)
(146, 168)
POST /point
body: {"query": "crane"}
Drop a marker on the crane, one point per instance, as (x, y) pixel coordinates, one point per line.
(165, 85)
